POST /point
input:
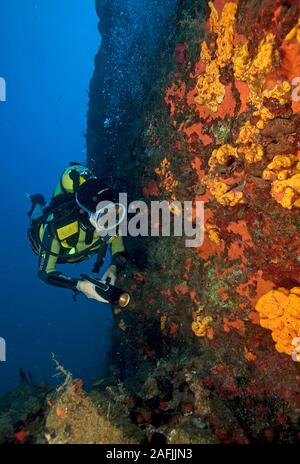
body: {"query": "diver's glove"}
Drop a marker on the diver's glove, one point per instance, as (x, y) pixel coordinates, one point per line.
(37, 199)
(88, 289)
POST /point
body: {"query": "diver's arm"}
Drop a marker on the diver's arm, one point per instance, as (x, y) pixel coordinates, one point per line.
(47, 262)
(60, 280)
(117, 251)
(48, 273)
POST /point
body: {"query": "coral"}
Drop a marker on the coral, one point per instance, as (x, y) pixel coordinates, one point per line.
(228, 130)
(21, 436)
(284, 171)
(247, 138)
(22, 414)
(252, 153)
(287, 192)
(81, 422)
(200, 325)
(254, 71)
(222, 155)
(221, 131)
(163, 322)
(238, 324)
(168, 183)
(263, 62)
(175, 93)
(213, 233)
(151, 190)
(281, 161)
(181, 53)
(209, 89)
(279, 311)
(223, 27)
(241, 62)
(75, 417)
(294, 32)
(247, 141)
(281, 93)
(249, 355)
(222, 193)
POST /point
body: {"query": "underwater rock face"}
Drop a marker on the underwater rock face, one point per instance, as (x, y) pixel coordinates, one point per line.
(125, 67)
(220, 125)
(22, 414)
(74, 417)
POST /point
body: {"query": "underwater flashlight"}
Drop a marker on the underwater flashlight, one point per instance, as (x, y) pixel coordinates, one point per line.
(115, 295)
(124, 300)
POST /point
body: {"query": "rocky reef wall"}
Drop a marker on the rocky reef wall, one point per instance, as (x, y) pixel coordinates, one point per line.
(210, 341)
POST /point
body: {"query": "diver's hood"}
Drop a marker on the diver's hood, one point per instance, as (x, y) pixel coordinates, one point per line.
(101, 204)
(92, 192)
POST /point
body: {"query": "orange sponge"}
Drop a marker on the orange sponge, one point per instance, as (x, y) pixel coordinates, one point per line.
(279, 311)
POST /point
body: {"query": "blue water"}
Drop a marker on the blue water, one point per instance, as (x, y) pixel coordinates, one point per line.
(47, 53)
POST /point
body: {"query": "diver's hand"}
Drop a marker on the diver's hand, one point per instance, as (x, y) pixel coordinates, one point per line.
(110, 274)
(88, 289)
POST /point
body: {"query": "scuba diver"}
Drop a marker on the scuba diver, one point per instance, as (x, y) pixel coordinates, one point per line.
(70, 230)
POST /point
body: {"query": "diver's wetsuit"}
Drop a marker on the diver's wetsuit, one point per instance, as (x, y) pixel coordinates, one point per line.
(86, 239)
(62, 232)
